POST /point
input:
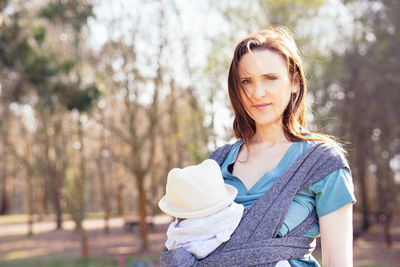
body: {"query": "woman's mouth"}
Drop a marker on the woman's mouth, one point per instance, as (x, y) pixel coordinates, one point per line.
(262, 106)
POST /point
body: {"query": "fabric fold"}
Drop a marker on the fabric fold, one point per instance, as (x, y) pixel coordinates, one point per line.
(200, 236)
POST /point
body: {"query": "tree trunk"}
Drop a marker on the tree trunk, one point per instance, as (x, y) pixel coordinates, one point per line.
(81, 195)
(84, 243)
(51, 174)
(59, 165)
(55, 196)
(391, 206)
(40, 200)
(120, 189)
(5, 190)
(142, 210)
(359, 135)
(104, 194)
(155, 188)
(103, 183)
(361, 175)
(29, 183)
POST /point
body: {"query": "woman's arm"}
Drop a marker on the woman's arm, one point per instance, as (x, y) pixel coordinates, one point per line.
(336, 230)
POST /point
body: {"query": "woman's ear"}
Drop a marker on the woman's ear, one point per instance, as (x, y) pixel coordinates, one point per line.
(296, 84)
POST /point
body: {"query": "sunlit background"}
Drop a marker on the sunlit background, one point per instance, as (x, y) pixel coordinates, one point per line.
(100, 99)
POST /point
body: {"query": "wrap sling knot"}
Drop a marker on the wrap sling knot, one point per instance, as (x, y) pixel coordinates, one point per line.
(255, 241)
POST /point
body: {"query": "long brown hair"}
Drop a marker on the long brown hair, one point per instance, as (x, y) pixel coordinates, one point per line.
(278, 39)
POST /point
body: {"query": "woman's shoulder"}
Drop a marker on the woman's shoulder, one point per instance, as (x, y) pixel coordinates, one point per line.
(227, 146)
(333, 191)
(305, 145)
(336, 188)
(220, 153)
(328, 146)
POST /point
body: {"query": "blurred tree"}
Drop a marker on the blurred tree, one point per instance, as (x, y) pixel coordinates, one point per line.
(102, 165)
(364, 93)
(201, 132)
(76, 95)
(161, 120)
(12, 42)
(30, 70)
(139, 123)
(22, 68)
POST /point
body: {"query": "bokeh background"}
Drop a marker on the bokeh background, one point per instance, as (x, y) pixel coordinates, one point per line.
(100, 99)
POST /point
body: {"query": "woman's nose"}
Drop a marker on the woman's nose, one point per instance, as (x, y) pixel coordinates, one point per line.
(259, 90)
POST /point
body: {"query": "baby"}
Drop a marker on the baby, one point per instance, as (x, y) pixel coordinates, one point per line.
(203, 207)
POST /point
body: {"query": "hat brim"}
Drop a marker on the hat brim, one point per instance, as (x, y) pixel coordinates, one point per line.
(179, 213)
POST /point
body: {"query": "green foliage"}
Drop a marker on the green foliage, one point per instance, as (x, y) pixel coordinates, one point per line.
(10, 48)
(69, 93)
(39, 33)
(70, 12)
(51, 11)
(39, 68)
(3, 4)
(74, 97)
(67, 65)
(288, 12)
(54, 261)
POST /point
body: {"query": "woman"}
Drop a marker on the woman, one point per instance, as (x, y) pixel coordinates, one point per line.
(294, 185)
(267, 89)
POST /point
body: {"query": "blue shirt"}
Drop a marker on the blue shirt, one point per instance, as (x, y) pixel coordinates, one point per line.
(327, 195)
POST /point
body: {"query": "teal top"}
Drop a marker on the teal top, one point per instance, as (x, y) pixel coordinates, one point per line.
(327, 195)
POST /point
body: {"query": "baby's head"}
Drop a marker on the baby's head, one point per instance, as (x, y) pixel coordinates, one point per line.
(196, 191)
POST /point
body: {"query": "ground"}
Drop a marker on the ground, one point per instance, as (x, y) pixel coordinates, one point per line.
(122, 246)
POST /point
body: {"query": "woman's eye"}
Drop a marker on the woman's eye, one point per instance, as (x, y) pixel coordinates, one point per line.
(271, 77)
(245, 81)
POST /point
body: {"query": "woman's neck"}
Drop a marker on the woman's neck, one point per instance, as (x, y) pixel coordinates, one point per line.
(269, 135)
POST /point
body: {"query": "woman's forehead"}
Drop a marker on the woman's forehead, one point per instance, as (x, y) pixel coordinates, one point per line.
(259, 62)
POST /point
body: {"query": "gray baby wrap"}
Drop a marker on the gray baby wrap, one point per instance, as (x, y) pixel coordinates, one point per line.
(254, 242)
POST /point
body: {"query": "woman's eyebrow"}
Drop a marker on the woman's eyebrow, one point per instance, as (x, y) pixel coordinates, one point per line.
(261, 75)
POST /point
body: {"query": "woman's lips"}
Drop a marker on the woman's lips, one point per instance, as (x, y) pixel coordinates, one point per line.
(262, 106)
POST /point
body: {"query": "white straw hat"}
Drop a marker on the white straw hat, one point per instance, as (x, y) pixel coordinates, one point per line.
(196, 191)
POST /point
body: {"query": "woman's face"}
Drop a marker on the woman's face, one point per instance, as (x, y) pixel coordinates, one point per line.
(264, 77)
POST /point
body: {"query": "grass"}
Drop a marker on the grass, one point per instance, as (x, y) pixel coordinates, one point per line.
(97, 262)
(14, 218)
(59, 263)
(23, 218)
(91, 262)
